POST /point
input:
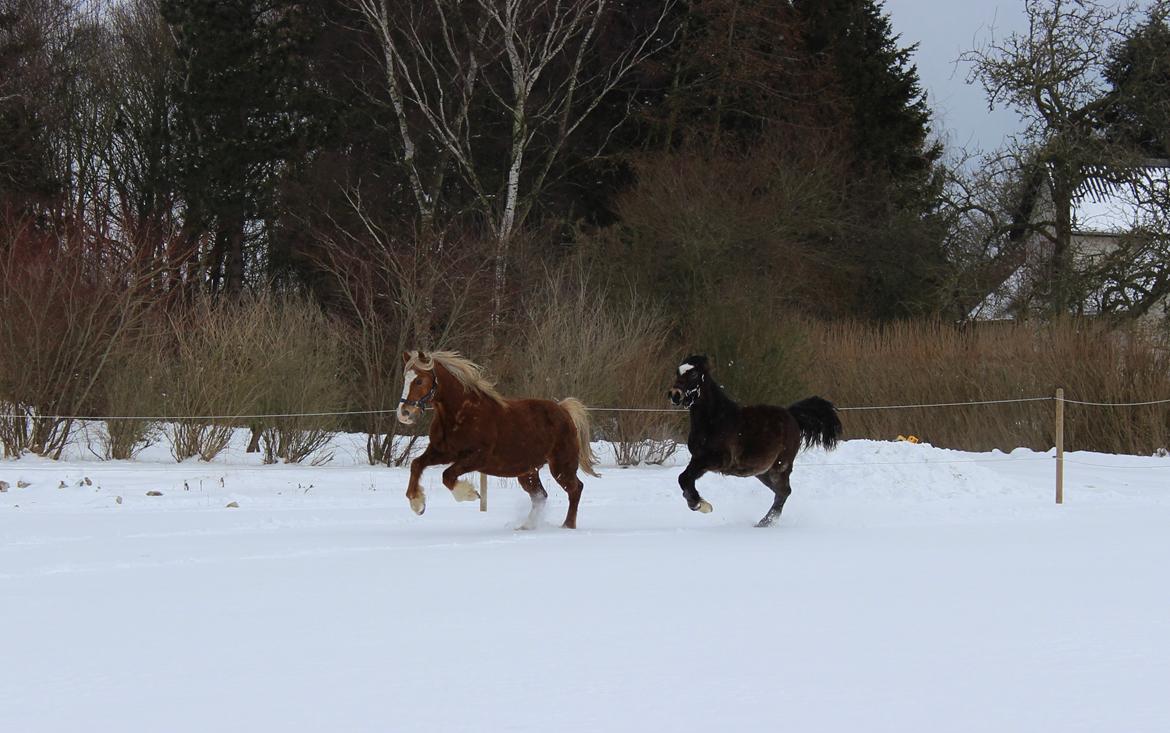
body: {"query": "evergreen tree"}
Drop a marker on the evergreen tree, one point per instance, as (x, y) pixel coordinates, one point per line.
(244, 115)
(887, 107)
(1139, 76)
(897, 245)
(26, 176)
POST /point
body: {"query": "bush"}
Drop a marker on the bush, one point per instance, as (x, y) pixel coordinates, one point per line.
(66, 303)
(300, 374)
(211, 376)
(131, 387)
(267, 355)
(759, 351)
(575, 341)
(393, 296)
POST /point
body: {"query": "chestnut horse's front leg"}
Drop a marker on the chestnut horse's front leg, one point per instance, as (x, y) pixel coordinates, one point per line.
(414, 492)
(460, 489)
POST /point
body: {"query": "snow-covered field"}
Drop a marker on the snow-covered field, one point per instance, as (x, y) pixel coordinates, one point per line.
(906, 588)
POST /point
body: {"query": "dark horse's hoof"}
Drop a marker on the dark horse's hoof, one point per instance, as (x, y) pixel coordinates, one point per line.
(766, 522)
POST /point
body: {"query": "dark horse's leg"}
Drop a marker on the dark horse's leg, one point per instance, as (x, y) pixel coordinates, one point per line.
(414, 493)
(687, 480)
(776, 479)
(531, 483)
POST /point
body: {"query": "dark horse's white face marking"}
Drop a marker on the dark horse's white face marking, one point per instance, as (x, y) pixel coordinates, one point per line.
(689, 382)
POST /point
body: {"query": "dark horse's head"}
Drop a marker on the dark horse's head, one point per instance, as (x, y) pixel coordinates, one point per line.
(690, 378)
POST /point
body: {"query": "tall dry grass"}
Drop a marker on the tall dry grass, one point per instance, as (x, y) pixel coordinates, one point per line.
(758, 350)
(575, 341)
(856, 364)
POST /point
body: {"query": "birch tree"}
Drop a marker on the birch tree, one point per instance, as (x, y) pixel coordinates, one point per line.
(493, 91)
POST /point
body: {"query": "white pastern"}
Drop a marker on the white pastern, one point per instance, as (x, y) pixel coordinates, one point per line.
(464, 491)
(418, 504)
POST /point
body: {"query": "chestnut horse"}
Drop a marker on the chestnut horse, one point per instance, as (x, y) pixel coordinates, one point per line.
(754, 440)
(477, 429)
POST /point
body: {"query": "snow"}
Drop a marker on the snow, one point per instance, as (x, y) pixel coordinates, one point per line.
(906, 588)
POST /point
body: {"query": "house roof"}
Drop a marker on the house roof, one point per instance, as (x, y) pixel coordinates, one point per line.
(1108, 205)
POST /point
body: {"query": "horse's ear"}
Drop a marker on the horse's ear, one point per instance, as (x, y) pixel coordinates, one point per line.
(406, 357)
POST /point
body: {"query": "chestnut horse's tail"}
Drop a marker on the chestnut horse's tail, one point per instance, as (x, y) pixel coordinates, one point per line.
(580, 416)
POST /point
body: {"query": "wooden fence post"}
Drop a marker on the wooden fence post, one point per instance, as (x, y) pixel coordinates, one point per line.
(483, 492)
(1059, 445)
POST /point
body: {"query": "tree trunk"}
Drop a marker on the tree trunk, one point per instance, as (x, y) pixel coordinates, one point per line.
(254, 441)
(1062, 256)
(499, 288)
(234, 255)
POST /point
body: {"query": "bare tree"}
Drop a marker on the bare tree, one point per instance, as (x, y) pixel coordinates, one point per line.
(386, 291)
(1053, 76)
(458, 73)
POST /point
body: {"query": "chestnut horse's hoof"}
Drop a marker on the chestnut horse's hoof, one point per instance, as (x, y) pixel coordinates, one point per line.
(418, 504)
(463, 491)
(704, 507)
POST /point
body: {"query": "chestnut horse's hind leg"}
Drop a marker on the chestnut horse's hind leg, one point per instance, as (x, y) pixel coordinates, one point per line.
(565, 472)
(776, 479)
(531, 483)
(686, 481)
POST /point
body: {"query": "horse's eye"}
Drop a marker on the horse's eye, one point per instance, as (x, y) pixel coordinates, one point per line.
(417, 380)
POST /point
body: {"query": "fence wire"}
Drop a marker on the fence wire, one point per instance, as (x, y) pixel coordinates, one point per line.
(675, 410)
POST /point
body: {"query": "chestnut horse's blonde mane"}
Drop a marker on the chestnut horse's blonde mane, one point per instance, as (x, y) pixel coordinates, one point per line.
(467, 372)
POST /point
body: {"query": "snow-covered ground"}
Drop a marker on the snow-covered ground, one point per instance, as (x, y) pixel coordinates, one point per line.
(907, 588)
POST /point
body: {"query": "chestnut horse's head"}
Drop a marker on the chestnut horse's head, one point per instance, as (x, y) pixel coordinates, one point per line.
(688, 382)
(420, 385)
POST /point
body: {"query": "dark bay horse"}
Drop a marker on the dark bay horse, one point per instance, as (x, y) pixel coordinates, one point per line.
(477, 429)
(757, 440)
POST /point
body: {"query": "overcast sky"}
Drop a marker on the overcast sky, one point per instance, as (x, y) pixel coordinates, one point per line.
(944, 29)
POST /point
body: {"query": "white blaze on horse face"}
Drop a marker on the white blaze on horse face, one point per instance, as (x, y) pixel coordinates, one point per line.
(684, 368)
(407, 378)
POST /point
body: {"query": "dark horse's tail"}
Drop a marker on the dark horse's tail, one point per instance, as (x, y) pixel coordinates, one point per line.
(818, 421)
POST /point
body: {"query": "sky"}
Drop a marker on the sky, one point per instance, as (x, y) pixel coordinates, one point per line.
(943, 30)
